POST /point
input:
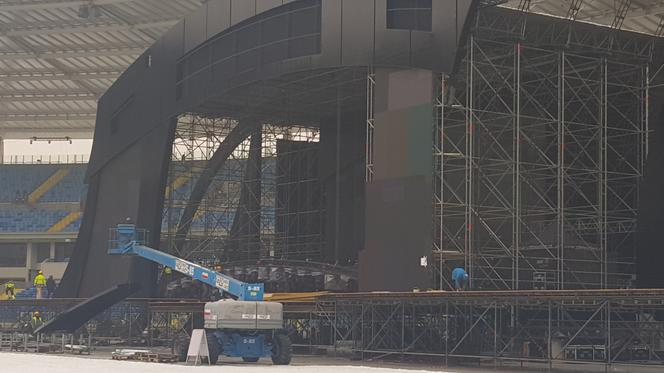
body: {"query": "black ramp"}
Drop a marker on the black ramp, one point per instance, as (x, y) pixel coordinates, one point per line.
(75, 317)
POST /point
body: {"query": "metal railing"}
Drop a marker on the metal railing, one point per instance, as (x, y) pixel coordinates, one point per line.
(45, 159)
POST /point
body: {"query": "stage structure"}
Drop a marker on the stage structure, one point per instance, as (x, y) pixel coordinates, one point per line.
(299, 131)
(257, 185)
(542, 141)
(541, 147)
(236, 103)
(600, 328)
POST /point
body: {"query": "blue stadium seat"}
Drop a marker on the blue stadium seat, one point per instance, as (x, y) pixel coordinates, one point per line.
(21, 180)
(18, 181)
(71, 189)
(26, 219)
(30, 293)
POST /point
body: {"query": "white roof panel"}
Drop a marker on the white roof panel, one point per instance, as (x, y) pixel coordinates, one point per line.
(643, 16)
(58, 56)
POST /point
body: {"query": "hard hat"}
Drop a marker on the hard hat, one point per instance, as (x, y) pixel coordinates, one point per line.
(36, 313)
(39, 273)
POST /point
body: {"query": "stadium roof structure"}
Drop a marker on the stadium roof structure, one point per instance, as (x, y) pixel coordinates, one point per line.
(57, 57)
(643, 16)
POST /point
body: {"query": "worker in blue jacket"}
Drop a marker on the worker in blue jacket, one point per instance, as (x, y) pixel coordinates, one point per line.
(460, 278)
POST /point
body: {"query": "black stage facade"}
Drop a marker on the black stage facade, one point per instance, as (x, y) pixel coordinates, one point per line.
(250, 64)
(368, 135)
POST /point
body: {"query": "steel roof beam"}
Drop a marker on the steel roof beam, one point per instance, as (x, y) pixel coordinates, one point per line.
(22, 5)
(18, 40)
(48, 98)
(77, 130)
(36, 29)
(106, 61)
(608, 16)
(49, 92)
(51, 76)
(17, 117)
(102, 52)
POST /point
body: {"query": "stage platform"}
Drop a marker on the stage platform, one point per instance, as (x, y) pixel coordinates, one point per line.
(649, 295)
(606, 327)
(297, 301)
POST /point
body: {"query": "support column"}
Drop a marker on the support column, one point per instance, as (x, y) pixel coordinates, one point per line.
(244, 241)
(469, 166)
(52, 250)
(237, 135)
(439, 151)
(30, 260)
(399, 198)
(646, 122)
(516, 197)
(603, 175)
(560, 175)
(2, 150)
(342, 175)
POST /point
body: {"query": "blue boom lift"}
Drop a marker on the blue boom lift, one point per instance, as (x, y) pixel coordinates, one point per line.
(247, 327)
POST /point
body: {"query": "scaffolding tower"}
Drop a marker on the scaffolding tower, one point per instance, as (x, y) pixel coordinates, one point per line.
(211, 236)
(541, 143)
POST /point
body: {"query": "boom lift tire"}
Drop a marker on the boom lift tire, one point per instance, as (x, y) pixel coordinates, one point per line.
(213, 348)
(282, 350)
(181, 349)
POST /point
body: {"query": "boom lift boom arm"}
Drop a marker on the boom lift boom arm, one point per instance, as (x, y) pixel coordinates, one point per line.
(125, 241)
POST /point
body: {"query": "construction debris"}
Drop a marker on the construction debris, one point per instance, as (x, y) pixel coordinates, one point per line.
(77, 349)
(143, 355)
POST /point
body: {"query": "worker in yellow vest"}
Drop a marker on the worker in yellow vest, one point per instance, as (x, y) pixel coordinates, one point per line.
(40, 284)
(36, 320)
(10, 290)
(166, 278)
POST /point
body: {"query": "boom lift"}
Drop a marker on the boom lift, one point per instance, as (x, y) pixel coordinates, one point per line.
(247, 327)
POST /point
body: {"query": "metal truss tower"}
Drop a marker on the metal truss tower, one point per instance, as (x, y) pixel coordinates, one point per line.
(225, 226)
(541, 144)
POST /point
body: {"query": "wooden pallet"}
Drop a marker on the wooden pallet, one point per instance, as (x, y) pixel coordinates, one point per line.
(148, 357)
(156, 358)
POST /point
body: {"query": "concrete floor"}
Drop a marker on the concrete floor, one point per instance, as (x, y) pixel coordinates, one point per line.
(418, 365)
